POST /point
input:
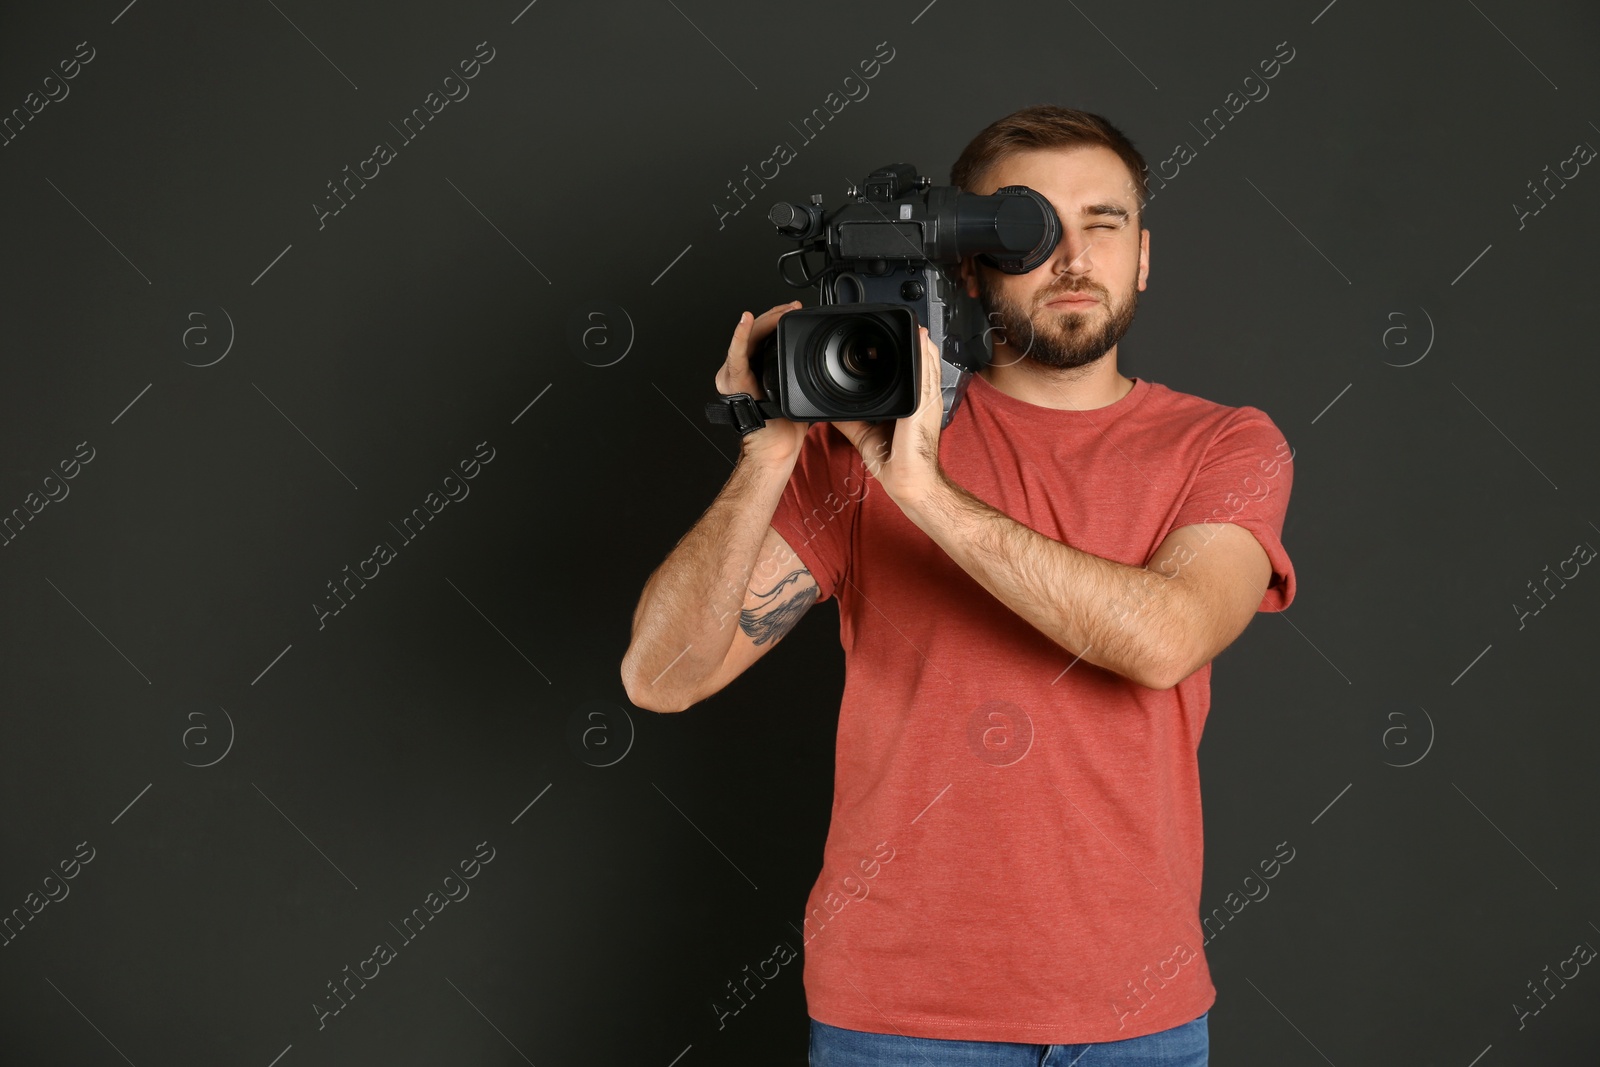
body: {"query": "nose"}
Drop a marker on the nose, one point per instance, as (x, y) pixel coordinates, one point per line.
(1072, 254)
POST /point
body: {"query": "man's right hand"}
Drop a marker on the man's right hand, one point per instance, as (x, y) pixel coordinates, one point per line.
(779, 441)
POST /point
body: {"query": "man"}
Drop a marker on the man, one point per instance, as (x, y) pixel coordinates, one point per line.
(1029, 602)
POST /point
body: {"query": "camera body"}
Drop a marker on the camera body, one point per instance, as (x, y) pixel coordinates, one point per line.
(891, 259)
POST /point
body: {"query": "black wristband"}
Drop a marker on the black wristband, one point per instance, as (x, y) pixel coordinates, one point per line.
(741, 410)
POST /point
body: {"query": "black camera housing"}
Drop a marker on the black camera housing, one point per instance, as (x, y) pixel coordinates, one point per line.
(891, 259)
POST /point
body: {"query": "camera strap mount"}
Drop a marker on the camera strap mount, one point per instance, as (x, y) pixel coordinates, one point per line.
(742, 411)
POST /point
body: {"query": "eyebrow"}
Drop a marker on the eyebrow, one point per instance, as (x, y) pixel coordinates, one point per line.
(1116, 210)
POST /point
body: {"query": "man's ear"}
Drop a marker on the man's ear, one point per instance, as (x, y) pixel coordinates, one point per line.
(969, 275)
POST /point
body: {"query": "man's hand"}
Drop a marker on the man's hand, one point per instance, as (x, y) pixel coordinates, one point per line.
(778, 441)
(904, 455)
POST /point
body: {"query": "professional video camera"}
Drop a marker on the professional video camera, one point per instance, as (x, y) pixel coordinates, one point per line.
(892, 258)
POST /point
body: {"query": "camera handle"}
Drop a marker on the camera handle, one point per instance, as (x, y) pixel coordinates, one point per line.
(743, 411)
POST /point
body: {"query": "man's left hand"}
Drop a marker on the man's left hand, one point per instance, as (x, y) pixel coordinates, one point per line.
(903, 455)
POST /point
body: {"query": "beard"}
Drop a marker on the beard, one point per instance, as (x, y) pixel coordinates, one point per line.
(1056, 337)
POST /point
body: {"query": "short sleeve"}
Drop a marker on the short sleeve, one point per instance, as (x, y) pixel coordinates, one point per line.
(817, 512)
(1244, 478)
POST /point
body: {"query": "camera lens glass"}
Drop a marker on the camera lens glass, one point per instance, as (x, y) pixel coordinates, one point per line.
(858, 354)
(859, 362)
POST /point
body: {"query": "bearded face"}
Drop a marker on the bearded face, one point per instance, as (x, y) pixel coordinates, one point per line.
(1054, 333)
(1071, 310)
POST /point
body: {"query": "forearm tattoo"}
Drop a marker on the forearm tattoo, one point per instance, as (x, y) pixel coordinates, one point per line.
(770, 622)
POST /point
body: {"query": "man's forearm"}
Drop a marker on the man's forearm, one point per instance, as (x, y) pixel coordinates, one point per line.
(1130, 620)
(681, 632)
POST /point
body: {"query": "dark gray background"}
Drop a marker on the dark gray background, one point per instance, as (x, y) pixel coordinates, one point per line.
(160, 615)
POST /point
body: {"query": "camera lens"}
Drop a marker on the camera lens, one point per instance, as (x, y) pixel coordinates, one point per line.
(859, 362)
(858, 354)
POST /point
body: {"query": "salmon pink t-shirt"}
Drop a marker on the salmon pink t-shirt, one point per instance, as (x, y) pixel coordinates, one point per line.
(1014, 849)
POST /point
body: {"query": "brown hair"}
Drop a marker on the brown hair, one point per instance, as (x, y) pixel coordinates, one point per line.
(1045, 126)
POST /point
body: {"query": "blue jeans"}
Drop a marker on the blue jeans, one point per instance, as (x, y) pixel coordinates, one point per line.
(1182, 1046)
